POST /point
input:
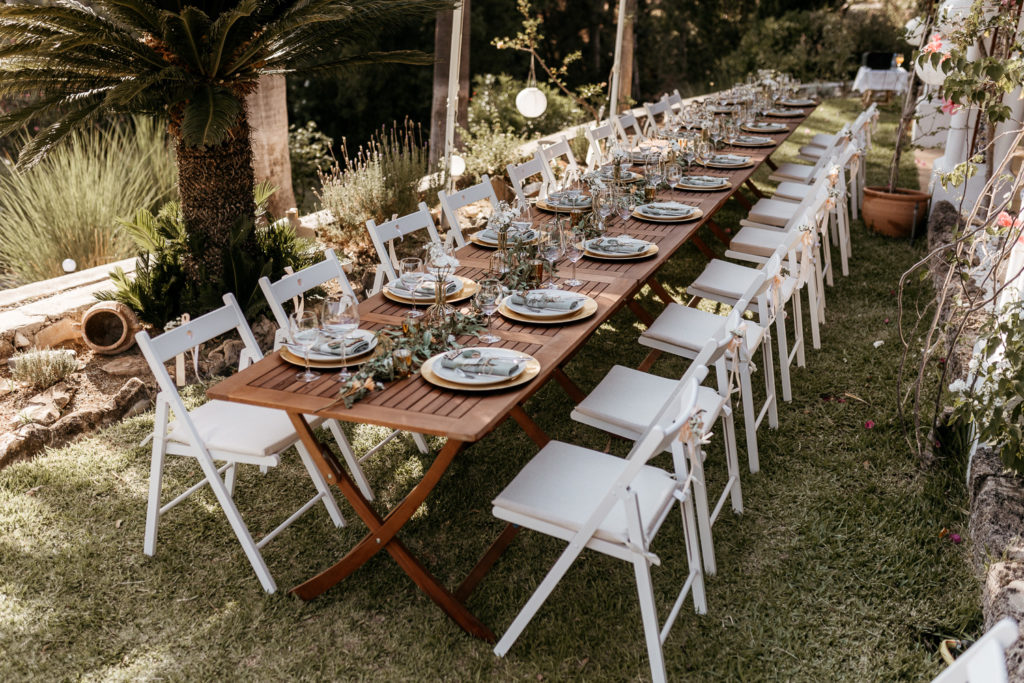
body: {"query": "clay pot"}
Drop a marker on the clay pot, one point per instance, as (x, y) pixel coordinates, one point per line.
(895, 214)
(109, 327)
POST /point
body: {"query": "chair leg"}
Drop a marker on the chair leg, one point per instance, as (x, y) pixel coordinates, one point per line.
(749, 416)
(350, 459)
(783, 346)
(769, 380)
(815, 311)
(844, 235)
(420, 442)
(732, 461)
(700, 497)
(229, 479)
(156, 475)
(321, 486)
(798, 328)
(700, 603)
(649, 614)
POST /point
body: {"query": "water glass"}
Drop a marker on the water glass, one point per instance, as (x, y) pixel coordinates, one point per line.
(340, 320)
(411, 275)
(574, 253)
(305, 333)
(487, 300)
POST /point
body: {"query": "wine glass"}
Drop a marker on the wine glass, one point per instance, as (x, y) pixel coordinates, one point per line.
(689, 147)
(715, 132)
(673, 174)
(523, 219)
(625, 205)
(551, 249)
(305, 332)
(487, 300)
(574, 253)
(604, 204)
(340, 320)
(411, 275)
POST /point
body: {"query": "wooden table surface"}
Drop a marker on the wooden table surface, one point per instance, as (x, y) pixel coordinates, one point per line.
(415, 405)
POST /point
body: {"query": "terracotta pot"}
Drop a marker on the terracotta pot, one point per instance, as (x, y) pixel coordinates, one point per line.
(893, 213)
(109, 327)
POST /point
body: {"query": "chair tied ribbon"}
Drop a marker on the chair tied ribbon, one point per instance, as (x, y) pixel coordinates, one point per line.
(808, 241)
(773, 302)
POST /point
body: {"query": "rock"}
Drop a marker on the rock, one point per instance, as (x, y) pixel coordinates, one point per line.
(997, 510)
(264, 330)
(59, 332)
(1003, 596)
(59, 395)
(127, 366)
(39, 413)
(231, 350)
(6, 348)
(10, 448)
(21, 341)
(138, 408)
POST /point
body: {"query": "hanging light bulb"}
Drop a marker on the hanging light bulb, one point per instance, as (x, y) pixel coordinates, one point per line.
(531, 100)
(458, 165)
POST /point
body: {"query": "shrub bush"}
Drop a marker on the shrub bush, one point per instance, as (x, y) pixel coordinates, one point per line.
(67, 205)
(383, 179)
(494, 100)
(42, 368)
(162, 290)
(488, 149)
(310, 152)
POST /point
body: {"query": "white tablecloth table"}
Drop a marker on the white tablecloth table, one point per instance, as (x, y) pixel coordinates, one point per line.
(881, 79)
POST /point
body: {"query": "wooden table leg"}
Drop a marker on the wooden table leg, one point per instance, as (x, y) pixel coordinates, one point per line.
(743, 201)
(718, 232)
(660, 291)
(649, 360)
(529, 426)
(704, 248)
(574, 392)
(640, 312)
(753, 188)
(485, 563)
(383, 530)
(771, 164)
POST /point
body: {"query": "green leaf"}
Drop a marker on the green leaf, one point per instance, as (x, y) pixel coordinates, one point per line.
(210, 116)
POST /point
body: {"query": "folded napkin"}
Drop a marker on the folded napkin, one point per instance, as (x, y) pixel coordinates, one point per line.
(426, 287)
(767, 125)
(544, 300)
(473, 362)
(350, 346)
(730, 159)
(666, 209)
(703, 180)
(562, 199)
(491, 235)
(619, 245)
(753, 139)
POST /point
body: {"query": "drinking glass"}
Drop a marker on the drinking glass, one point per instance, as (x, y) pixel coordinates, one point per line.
(574, 253)
(653, 169)
(604, 204)
(625, 205)
(340, 320)
(410, 272)
(673, 174)
(551, 249)
(716, 132)
(305, 332)
(689, 146)
(487, 300)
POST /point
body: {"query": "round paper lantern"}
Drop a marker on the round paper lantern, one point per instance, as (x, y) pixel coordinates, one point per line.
(531, 102)
(457, 165)
(69, 265)
(929, 74)
(914, 31)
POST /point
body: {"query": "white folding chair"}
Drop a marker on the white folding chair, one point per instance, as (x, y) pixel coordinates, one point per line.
(519, 174)
(561, 153)
(599, 139)
(861, 130)
(625, 400)
(655, 113)
(726, 282)
(385, 234)
(232, 433)
(985, 661)
(614, 506)
(807, 174)
(628, 128)
(451, 203)
(684, 330)
(295, 285)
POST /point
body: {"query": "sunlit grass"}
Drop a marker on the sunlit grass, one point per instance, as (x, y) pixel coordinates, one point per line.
(834, 572)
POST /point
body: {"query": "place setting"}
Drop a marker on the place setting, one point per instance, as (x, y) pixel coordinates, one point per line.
(702, 183)
(565, 200)
(547, 306)
(606, 174)
(765, 127)
(666, 212)
(727, 161)
(331, 340)
(784, 112)
(619, 248)
(489, 237)
(480, 368)
(752, 141)
(797, 102)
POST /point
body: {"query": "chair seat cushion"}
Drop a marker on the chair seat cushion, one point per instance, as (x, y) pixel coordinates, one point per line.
(725, 279)
(823, 140)
(812, 152)
(563, 484)
(686, 327)
(792, 171)
(630, 399)
(792, 191)
(772, 212)
(227, 427)
(758, 241)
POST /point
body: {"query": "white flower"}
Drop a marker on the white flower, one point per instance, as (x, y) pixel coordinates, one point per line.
(958, 387)
(878, 343)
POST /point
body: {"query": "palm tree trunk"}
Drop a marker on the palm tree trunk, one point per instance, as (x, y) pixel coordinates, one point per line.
(626, 58)
(215, 185)
(268, 118)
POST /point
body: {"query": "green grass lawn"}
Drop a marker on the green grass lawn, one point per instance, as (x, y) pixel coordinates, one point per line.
(835, 570)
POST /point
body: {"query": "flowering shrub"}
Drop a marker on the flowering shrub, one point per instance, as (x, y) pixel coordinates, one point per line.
(992, 396)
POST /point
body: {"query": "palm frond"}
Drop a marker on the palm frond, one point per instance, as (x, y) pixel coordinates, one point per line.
(37, 148)
(209, 116)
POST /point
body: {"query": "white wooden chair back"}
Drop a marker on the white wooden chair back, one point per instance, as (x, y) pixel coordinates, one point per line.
(599, 139)
(628, 128)
(675, 100)
(518, 174)
(451, 203)
(841, 140)
(655, 113)
(985, 661)
(384, 235)
(557, 152)
(294, 285)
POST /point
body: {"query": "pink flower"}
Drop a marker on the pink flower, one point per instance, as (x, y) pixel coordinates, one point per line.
(870, 424)
(886, 321)
(1003, 220)
(949, 107)
(955, 538)
(934, 45)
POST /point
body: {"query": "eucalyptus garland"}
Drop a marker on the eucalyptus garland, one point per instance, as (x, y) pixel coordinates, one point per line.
(421, 341)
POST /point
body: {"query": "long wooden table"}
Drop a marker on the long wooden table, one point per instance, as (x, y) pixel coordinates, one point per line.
(464, 418)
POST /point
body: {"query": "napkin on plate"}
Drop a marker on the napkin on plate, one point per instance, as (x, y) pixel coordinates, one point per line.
(426, 287)
(703, 180)
(491, 235)
(351, 346)
(544, 300)
(619, 245)
(674, 209)
(730, 159)
(753, 139)
(475, 362)
(563, 199)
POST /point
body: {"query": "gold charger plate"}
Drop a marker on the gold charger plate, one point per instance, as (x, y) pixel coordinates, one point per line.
(764, 131)
(588, 309)
(469, 288)
(667, 219)
(786, 114)
(651, 251)
(703, 188)
(531, 370)
(289, 356)
(488, 245)
(730, 167)
(767, 143)
(544, 206)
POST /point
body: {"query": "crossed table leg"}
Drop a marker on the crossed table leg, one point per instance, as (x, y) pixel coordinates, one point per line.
(382, 534)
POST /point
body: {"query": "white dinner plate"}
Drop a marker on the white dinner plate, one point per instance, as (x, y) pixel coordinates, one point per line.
(367, 335)
(451, 375)
(526, 311)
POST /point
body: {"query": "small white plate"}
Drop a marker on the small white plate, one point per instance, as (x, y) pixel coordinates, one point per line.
(366, 335)
(589, 246)
(451, 375)
(420, 296)
(524, 310)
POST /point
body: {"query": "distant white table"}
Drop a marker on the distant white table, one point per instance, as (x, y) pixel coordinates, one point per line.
(879, 80)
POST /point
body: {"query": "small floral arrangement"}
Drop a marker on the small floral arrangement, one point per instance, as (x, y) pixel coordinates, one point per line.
(502, 217)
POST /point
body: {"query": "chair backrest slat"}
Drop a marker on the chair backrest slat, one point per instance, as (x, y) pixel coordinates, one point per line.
(297, 284)
(600, 138)
(627, 126)
(382, 235)
(550, 153)
(655, 110)
(451, 203)
(519, 173)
